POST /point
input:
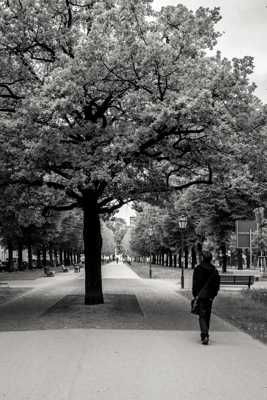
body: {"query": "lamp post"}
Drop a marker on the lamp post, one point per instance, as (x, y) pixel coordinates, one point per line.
(259, 215)
(150, 233)
(182, 222)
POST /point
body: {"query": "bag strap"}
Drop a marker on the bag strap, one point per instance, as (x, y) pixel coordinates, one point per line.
(207, 283)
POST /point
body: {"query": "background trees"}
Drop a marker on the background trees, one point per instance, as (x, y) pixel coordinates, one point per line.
(109, 242)
(118, 227)
(117, 102)
(212, 212)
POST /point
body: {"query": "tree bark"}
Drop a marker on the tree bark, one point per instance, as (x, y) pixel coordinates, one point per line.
(199, 252)
(29, 256)
(193, 257)
(44, 256)
(10, 257)
(224, 257)
(65, 261)
(51, 260)
(20, 268)
(39, 258)
(92, 251)
(56, 257)
(60, 256)
(186, 257)
(169, 259)
(71, 257)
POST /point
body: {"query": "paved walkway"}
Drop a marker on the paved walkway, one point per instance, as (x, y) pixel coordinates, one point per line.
(141, 344)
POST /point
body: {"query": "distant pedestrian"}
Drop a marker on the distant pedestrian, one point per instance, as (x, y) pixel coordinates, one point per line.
(117, 260)
(206, 284)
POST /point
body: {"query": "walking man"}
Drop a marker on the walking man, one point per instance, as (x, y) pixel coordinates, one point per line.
(206, 284)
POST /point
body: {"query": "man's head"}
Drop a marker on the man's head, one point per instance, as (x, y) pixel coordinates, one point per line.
(206, 256)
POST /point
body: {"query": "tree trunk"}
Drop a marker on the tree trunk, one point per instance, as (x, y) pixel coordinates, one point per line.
(51, 260)
(20, 267)
(224, 258)
(193, 257)
(39, 258)
(92, 251)
(169, 259)
(60, 257)
(65, 261)
(56, 257)
(30, 256)
(10, 257)
(199, 252)
(44, 256)
(186, 257)
(68, 257)
(71, 257)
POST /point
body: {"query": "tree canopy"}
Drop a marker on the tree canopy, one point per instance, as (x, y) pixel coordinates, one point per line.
(105, 102)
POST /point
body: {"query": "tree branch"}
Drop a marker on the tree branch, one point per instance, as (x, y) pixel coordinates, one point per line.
(67, 207)
(110, 209)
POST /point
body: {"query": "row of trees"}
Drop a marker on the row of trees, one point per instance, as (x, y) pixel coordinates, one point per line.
(48, 236)
(212, 213)
(26, 223)
(106, 102)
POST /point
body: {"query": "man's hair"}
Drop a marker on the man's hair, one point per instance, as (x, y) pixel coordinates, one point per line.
(206, 256)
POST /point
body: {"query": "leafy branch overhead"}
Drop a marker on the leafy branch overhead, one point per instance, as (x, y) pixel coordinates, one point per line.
(105, 96)
(105, 102)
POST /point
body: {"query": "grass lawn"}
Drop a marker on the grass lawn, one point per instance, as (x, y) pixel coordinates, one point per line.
(245, 309)
(27, 274)
(7, 293)
(21, 275)
(159, 272)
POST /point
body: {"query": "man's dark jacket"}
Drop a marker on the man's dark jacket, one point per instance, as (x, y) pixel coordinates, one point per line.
(201, 274)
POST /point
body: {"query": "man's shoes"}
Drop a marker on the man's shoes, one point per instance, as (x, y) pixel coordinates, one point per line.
(205, 340)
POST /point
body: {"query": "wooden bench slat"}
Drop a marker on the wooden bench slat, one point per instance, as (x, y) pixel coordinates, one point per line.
(247, 280)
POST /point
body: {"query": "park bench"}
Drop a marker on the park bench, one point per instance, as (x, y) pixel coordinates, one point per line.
(77, 268)
(49, 272)
(239, 280)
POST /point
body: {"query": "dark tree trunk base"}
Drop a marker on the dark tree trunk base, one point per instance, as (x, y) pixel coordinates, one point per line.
(93, 298)
(92, 251)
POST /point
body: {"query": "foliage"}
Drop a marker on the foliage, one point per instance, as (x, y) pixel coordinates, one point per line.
(149, 218)
(109, 101)
(119, 228)
(121, 108)
(108, 247)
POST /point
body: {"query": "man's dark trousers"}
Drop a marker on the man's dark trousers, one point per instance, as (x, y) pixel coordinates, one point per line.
(205, 306)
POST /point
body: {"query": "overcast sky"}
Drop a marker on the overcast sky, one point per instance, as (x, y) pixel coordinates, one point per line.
(244, 23)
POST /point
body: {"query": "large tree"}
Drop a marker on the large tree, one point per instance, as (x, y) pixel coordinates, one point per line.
(117, 102)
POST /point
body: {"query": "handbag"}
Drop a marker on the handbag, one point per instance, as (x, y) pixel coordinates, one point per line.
(195, 306)
(194, 302)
